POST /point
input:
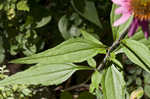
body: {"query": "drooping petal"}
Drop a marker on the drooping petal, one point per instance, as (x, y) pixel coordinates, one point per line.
(134, 26)
(122, 19)
(144, 24)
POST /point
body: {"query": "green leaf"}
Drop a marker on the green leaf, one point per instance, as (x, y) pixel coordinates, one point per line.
(68, 26)
(90, 37)
(45, 74)
(117, 62)
(1, 5)
(146, 76)
(63, 27)
(113, 84)
(138, 53)
(70, 51)
(147, 90)
(99, 94)
(92, 62)
(22, 5)
(117, 31)
(88, 10)
(114, 60)
(44, 21)
(95, 79)
(139, 36)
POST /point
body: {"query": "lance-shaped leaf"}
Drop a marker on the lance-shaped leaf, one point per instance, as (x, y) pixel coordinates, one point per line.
(95, 79)
(91, 38)
(138, 53)
(70, 51)
(44, 21)
(139, 36)
(113, 84)
(45, 74)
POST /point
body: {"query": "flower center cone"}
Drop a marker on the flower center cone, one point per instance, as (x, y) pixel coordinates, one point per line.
(141, 9)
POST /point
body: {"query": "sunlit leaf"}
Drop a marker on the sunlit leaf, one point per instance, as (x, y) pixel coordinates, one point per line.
(139, 36)
(45, 74)
(92, 62)
(73, 50)
(63, 27)
(95, 81)
(43, 21)
(90, 37)
(22, 5)
(138, 53)
(113, 84)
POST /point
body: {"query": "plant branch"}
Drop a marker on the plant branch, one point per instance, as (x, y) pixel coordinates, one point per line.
(112, 48)
(83, 84)
(76, 87)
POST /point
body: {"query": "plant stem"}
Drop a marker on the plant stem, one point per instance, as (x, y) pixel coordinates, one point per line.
(112, 48)
(77, 86)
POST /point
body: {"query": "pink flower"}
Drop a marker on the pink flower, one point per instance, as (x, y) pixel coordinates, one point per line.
(141, 11)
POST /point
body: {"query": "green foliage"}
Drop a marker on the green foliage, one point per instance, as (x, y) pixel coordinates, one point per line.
(44, 21)
(70, 51)
(134, 50)
(140, 37)
(69, 26)
(113, 84)
(96, 80)
(146, 83)
(45, 74)
(87, 9)
(13, 91)
(3, 70)
(92, 62)
(22, 43)
(147, 90)
(22, 5)
(53, 39)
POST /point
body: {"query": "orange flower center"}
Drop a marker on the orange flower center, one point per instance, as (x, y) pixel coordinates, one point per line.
(141, 9)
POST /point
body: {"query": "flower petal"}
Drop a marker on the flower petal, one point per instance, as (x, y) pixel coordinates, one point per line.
(122, 10)
(122, 19)
(118, 2)
(134, 26)
(145, 28)
(119, 10)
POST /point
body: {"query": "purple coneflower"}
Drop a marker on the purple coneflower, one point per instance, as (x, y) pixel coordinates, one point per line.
(141, 11)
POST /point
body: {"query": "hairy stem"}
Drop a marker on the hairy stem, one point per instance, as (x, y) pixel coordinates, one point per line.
(112, 48)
